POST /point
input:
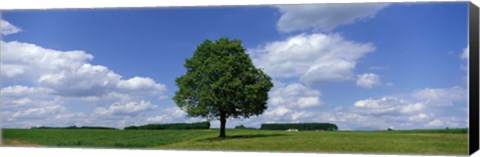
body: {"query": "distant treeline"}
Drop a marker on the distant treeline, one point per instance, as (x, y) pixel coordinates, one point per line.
(446, 130)
(171, 126)
(75, 127)
(300, 126)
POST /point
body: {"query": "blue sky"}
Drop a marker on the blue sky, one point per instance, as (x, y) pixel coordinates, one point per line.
(360, 66)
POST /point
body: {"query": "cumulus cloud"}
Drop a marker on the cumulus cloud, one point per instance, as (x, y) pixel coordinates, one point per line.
(419, 109)
(402, 111)
(17, 97)
(55, 117)
(158, 119)
(39, 84)
(277, 114)
(68, 73)
(169, 115)
(277, 111)
(314, 58)
(441, 96)
(40, 111)
(386, 106)
(53, 110)
(57, 113)
(8, 28)
(288, 103)
(145, 85)
(17, 91)
(324, 17)
(121, 115)
(368, 80)
(451, 122)
(29, 62)
(127, 109)
(87, 80)
(294, 95)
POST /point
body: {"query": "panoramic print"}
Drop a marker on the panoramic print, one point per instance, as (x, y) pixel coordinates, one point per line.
(370, 78)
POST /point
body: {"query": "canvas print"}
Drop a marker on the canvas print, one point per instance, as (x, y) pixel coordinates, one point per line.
(369, 78)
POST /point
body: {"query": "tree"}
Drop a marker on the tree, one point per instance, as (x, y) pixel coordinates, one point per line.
(221, 82)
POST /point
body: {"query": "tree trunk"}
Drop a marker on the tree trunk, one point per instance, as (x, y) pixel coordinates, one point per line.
(223, 121)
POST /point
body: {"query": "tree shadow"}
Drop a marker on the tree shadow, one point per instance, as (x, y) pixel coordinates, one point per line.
(231, 137)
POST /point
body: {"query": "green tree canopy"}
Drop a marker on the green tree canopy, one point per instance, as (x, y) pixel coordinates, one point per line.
(221, 82)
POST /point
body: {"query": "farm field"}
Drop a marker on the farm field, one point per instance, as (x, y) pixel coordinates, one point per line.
(448, 142)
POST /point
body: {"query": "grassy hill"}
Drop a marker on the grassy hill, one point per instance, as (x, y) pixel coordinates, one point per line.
(451, 141)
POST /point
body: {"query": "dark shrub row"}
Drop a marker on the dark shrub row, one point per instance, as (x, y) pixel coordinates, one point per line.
(172, 126)
(75, 127)
(243, 127)
(300, 126)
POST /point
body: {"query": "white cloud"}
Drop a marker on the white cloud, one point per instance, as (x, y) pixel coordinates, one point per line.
(385, 106)
(139, 84)
(87, 80)
(404, 111)
(174, 114)
(28, 61)
(450, 122)
(302, 116)
(441, 96)
(368, 80)
(22, 101)
(8, 28)
(308, 101)
(419, 109)
(418, 101)
(418, 117)
(127, 109)
(17, 91)
(291, 102)
(43, 115)
(22, 97)
(168, 115)
(288, 103)
(313, 58)
(294, 95)
(51, 113)
(324, 17)
(42, 84)
(158, 119)
(415, 107)
(68, 73)
(39, 112)
(415, 110)
(277, 112)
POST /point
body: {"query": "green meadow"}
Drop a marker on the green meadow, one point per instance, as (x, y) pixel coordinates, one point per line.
(446, 142)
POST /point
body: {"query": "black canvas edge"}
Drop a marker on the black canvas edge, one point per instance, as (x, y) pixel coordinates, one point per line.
(473, 132)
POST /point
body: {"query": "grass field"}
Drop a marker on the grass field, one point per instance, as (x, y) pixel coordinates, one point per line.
(452, 141)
